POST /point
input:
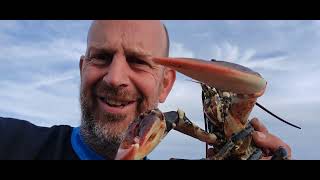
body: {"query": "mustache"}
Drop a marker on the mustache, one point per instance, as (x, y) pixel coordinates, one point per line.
(103, 89)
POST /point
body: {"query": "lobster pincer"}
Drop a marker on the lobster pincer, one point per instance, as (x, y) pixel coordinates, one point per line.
(147, 131)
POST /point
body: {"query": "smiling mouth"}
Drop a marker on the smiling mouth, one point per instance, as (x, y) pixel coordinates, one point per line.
(115, 103)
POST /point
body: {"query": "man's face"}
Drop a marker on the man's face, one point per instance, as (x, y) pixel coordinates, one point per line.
(118, 79)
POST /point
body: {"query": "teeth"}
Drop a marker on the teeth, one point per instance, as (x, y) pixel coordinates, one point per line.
(114, 102)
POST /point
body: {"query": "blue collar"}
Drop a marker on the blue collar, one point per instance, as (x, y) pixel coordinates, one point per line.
(83, 151)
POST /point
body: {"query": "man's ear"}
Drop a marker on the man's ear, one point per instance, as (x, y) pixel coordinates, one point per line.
(81, 65)
(169, 77)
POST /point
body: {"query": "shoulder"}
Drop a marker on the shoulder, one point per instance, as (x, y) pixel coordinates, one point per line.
(5, 122)
(21, 139)
(18, 126)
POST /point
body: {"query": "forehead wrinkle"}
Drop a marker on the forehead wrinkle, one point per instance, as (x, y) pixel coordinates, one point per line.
(128, 50)
(131, 44)
(106, 46)
(136, 51)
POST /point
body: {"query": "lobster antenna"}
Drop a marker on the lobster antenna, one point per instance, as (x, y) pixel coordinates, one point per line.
(265, 109)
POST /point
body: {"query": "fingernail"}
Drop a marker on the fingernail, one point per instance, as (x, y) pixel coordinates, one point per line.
(261, 135)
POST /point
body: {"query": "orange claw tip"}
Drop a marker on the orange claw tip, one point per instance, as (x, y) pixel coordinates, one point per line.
(219, 74)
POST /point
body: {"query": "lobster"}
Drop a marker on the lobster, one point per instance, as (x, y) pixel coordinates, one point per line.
(229, 93)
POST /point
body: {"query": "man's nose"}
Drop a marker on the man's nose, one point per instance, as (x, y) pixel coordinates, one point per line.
(117, 74)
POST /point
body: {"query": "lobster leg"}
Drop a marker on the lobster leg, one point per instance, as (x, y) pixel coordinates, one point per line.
(232, 143)
(182, 124)
(256, 155)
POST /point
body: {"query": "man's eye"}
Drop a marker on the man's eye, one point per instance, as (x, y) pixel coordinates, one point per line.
(102, 59)
(137, 61)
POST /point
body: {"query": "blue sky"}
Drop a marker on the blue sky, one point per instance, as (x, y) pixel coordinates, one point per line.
(39, 75)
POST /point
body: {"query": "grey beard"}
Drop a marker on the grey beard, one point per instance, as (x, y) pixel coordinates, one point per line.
(98, 139)
(97, 134)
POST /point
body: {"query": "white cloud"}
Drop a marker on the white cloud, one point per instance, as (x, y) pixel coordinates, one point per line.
(40, 107)
(179, 50)
(295, 94)
(65, 27)
(185, 95)
(58, 49)
(36, 97)
(229, 52)
(279, 63)
(68, 49)
(40, 100)
(245, 57)
(53, 79)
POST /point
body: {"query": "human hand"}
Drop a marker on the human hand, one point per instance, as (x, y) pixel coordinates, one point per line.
(268, 142)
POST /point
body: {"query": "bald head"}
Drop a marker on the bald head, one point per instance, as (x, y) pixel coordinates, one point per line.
(144, 35)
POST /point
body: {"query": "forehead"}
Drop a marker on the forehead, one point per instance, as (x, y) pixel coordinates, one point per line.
(147, 36)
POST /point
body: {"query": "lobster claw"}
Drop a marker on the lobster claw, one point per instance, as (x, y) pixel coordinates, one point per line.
(142, 136)
(219, 74)
(147, 131)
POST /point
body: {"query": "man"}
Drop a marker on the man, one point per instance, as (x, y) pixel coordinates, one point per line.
(118, 82)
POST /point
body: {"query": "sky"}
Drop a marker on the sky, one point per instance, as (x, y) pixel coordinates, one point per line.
(39, 74)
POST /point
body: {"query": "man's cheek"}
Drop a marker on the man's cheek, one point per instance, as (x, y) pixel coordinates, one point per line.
(88, 98)
(147, 104)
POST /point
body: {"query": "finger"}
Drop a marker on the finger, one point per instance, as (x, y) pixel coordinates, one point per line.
(269, 141)
(258, 125)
